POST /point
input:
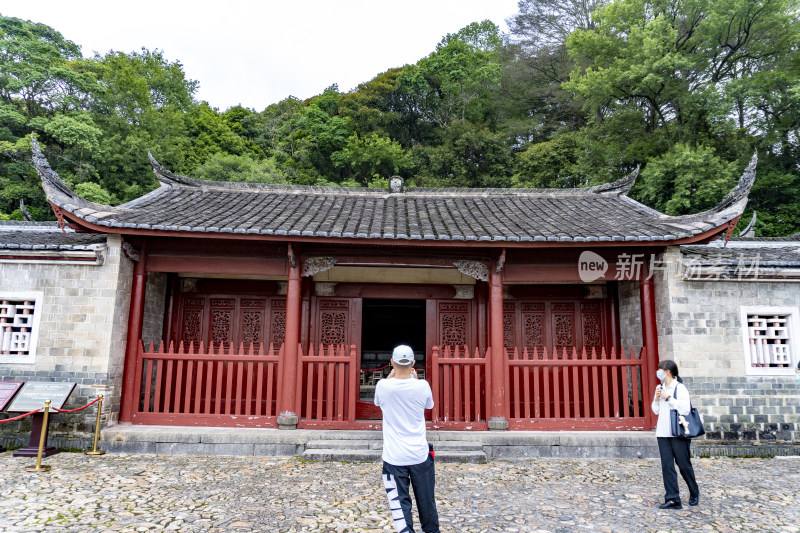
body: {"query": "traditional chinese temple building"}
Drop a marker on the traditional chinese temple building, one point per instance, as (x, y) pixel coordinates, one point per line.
(252, 305)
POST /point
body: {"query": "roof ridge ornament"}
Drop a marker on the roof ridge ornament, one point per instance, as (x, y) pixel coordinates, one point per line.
(750, 229)
(46, 172)
(25, 214)
(396, 184)
(622, 186)
(167, 177)
(744, 185)
(736, 199)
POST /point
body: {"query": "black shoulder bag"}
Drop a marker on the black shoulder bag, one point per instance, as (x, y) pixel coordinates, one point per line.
(685, 427)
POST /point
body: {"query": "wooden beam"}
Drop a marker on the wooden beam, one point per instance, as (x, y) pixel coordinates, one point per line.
(217, 265)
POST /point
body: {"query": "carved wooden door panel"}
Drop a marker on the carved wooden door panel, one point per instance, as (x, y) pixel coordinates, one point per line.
(333, 324)
(215, 318)
(454, 322)
(556, 324)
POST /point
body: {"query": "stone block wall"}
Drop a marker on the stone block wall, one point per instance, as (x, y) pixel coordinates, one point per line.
(630, 314)
(81, 333)
(700, 329)
(154, 306)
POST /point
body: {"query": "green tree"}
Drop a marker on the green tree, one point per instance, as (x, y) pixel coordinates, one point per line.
(675, 59)
(319, 133)
(228, 167)
(449, 82)
(687, 180)
(39, 68)
(371, 157)
(532, 102)
(470, 156)
(145, 104)
(549, 164)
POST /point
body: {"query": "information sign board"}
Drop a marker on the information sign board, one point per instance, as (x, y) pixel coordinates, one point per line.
(34, 393)
(7, 391)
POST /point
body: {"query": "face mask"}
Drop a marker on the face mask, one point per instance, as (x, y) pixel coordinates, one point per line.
(797, 376)
(661, 375)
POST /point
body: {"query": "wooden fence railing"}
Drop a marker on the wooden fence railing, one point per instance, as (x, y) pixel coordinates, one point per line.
(545, 388)
(216, 385)
(459, 382)
(328, 381)
(573, 388)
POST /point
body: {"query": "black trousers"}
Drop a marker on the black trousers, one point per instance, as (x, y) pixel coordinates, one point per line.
(422, 477)
(676, 451)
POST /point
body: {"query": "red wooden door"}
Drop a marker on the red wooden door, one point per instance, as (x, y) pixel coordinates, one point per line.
(459, 387)
(337, 321)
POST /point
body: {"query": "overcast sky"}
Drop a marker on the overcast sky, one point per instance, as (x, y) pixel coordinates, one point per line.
(256, 53)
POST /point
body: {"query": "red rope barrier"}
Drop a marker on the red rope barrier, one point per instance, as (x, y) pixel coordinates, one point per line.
(20, 416)
(73, 410)
(373, 369)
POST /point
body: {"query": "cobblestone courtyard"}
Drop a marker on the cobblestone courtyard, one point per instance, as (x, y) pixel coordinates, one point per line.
(206, 493)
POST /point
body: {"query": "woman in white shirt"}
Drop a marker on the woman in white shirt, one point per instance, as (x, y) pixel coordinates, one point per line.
(673, 395)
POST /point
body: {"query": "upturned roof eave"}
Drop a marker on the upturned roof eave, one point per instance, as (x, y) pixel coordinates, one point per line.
(101, 218)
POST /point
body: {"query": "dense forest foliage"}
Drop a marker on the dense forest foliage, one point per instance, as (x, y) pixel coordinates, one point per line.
(578, 93)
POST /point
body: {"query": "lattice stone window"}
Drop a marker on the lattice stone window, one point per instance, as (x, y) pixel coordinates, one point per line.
(770, 340)
(19, 327)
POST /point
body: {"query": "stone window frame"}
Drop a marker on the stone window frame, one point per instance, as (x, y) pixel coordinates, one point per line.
(793, 325)
(30, 357)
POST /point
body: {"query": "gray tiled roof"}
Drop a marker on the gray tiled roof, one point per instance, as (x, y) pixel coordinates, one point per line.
(602, 213)
(23, 235)
(766, 253)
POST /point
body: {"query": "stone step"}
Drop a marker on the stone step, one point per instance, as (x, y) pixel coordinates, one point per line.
(367, 455)
(345, 444)
(377, 444)
(125, 438)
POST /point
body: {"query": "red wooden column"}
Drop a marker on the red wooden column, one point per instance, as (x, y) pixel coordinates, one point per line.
(497, 410)
(135, 319)
(649, 337)
(287, 415)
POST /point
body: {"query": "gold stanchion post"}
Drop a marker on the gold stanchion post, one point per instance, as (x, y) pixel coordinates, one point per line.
(39, 467)
(94, 450)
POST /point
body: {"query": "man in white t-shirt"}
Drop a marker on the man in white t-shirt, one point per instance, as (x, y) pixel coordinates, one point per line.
(407, 459)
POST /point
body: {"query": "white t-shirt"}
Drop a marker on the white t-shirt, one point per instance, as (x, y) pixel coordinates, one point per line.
(403, 402)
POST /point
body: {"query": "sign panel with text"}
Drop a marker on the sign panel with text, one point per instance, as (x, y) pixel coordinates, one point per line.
(34, 393)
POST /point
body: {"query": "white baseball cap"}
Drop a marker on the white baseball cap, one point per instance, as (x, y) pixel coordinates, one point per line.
(403, 355)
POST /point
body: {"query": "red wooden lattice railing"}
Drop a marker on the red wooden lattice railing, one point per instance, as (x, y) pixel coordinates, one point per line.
(215, 385)
(328, 381)
(459, 382)
(577, 389)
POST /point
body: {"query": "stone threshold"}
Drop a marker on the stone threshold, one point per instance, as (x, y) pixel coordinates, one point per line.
(125, 438)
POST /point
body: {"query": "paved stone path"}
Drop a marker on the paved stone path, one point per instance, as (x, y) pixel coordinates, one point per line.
(278, 494)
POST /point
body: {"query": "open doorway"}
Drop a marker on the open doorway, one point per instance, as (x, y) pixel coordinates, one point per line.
(384, 325)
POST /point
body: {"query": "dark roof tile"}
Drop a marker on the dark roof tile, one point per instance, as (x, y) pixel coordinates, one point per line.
(25, 235)
(594, 214)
